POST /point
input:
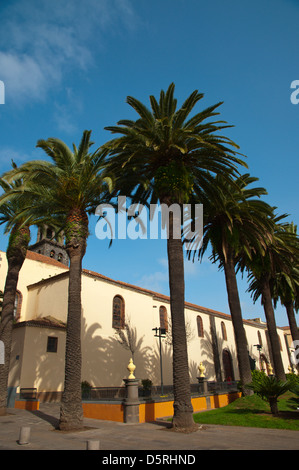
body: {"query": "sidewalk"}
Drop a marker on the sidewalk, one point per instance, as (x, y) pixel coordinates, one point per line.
(113, 436)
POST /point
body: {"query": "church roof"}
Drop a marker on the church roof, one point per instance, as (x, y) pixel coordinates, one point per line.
(44, 259)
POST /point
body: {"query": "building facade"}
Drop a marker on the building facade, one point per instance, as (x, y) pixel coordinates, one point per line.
(110, 307)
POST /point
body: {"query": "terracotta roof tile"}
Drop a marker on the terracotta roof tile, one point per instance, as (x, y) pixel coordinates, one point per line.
(44, 259)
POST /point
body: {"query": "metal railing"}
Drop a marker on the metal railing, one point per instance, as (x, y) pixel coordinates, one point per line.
(119, 393)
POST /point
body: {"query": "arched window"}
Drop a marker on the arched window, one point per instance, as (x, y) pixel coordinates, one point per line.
(52, 254)
(118, 313)
(17, 305)
(199, 327)
(163, 318)
(227, 365)
(260, 342)
(223, 329)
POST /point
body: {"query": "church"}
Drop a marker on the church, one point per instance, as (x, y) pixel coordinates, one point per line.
(109, 308)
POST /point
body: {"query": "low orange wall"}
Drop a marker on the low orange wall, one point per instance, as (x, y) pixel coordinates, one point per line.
(105, 411)
(152, 410)
(27, 405)
(147, 411)
(218, 401)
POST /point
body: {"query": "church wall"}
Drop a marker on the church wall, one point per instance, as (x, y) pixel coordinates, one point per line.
(32, 271)
(104, 360)
(41, 369)
(48, 299)
(16, 357)
(199, 348)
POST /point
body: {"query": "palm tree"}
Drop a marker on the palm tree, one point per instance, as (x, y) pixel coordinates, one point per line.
(278, 258)
(235, 221)
(70, 187)
(269, 389)
(16, 253)
(158, 158)
(286, 287)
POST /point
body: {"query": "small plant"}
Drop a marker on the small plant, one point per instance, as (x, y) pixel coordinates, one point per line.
(85, 389)
(146, 386)
(269, 388)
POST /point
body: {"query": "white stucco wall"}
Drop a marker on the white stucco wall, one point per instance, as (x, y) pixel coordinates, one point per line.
(44, 287)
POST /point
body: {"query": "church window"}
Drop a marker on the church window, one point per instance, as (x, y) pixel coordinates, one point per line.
(118, 314)
(223, 329)
(163, 318)
(199, 327)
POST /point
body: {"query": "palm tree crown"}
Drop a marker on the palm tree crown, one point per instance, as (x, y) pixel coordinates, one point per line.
(165, 153)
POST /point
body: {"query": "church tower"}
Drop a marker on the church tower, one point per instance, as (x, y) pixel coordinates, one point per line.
(49, 245)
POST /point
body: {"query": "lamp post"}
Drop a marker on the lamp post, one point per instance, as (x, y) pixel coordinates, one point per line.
(160, 333)
(259, 347)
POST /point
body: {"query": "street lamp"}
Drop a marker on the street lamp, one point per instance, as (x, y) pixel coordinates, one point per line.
(160, 333)
(259, 347)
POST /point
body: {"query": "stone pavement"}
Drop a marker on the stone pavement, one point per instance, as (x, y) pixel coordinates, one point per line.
(114, 436)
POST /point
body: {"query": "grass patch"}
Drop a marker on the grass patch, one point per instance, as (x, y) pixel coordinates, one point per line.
(252, 411)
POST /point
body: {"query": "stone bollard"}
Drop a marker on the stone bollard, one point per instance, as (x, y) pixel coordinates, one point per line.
(24, 436)
(93, 445)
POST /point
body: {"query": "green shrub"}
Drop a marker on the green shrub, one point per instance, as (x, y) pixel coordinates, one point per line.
(269, 388)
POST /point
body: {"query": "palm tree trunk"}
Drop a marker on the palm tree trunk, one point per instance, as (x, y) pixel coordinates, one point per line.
(273, 406)
(183, 411)
(16, 254)
(71, 412)
(292, 322)
(237, 320)
(271, 325)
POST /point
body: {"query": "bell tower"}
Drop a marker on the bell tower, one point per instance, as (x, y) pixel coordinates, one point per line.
(48, 244)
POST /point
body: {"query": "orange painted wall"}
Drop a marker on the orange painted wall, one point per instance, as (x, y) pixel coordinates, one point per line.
(199, 404)
(113, 412)
(151, 411)
(217, 401)
(27, 405)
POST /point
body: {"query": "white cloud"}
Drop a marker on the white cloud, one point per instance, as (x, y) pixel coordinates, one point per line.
(44, 41)
(22, 75)
(7, 154)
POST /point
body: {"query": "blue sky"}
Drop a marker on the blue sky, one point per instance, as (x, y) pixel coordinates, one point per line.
(69, 65)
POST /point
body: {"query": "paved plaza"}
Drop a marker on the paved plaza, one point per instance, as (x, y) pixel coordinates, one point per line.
(113, 436)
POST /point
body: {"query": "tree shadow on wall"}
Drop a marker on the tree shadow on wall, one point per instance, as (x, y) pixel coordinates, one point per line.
(105, 360)
(206, 355)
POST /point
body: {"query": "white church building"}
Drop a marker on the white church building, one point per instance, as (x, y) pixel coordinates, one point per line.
(38, 351)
